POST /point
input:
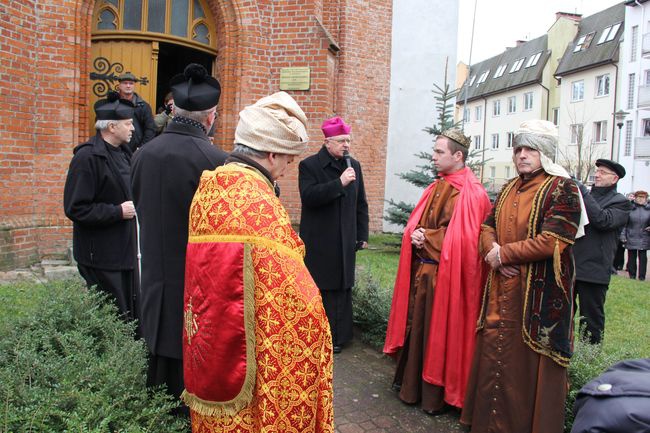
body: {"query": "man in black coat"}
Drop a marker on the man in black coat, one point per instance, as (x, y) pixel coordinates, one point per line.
(166, 174)
(608, 211)
(145, 127)
(333, 223)
(97, 198)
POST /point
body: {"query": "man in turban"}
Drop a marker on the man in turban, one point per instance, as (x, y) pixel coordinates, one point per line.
(257, 345)
(518, 380)
(437, 292)
(333, 223)
(166, 173)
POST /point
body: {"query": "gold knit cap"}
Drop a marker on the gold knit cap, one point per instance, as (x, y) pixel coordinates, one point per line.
(458, 136)
(275, 123)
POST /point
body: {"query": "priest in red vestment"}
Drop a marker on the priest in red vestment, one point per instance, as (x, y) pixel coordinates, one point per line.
(257, 344)
(438, 287)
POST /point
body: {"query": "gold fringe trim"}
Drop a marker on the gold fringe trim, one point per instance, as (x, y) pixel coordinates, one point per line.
(248, 239)
(562, 361)
(556, 236)
(245, 396)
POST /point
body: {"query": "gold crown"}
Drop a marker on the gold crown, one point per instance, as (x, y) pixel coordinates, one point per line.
(458, 136)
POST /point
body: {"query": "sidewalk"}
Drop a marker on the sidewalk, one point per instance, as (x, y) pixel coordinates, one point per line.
(364, 401)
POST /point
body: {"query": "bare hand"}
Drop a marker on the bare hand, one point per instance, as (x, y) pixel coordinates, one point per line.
(492, 258)
(364, 245)
(348, 176)
(128, 210)
(417, 238)
(509, 271)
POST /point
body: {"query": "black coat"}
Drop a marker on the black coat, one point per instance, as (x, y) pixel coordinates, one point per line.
(594, 252)
(143, 123)
(93, 193)
(333, 219)
(166, 173)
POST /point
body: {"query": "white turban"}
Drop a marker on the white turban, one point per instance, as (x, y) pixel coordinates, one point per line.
(275, 123)
(542, 135)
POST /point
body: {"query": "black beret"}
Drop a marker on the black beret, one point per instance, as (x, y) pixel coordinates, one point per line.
(612, 165)
(127, 76)
(194, 89)
(114, 108)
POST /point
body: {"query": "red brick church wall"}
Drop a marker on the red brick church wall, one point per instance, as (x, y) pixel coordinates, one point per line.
(45, 49)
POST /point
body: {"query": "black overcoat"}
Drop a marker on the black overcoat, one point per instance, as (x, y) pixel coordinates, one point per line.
(166, 173)
(93, 193)
(594, 252)
(143, 123)
(333, 219)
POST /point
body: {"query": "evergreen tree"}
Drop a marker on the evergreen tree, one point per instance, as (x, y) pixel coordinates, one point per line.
(422, 175)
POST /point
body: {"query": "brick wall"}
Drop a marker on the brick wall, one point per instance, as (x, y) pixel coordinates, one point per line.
(45, 54)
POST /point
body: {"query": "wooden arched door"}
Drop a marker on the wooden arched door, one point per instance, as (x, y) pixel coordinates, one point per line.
(127, 35)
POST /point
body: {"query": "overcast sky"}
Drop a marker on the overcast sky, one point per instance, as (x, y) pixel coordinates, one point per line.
(499, 23)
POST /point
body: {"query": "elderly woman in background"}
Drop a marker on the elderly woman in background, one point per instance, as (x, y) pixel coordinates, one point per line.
(636, 236)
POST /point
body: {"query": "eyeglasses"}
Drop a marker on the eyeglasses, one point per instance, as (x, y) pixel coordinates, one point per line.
(341, 140)
(601, 171)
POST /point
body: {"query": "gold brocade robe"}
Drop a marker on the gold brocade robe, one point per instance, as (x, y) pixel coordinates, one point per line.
(288, 355)
(511, 387)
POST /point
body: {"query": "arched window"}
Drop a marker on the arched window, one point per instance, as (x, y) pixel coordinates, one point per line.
(177, 21)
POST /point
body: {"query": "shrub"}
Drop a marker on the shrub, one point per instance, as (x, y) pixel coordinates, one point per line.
(68, 363)
(588, 362)
(371, 308)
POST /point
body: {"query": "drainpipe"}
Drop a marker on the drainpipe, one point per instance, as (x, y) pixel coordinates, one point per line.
(548, 99)
(614, 116)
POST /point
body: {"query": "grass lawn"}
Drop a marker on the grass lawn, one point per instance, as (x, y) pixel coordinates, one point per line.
(627, 309)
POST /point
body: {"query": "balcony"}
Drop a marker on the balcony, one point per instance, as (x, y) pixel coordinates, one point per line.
(645, 45)
(642, 148)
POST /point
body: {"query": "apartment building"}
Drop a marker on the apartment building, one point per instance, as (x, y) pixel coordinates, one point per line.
(507, 89)
(590, 86)
(634, 149)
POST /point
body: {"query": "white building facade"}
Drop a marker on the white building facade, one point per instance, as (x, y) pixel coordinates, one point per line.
(634, 150)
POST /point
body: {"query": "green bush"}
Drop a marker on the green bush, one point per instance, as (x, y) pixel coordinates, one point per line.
(69, 364)
(588, 362)
(371, 308)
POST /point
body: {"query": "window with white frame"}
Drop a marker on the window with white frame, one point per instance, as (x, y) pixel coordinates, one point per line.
(528, 101)
(600, 131)
(500, 70)
(496, 108)
(477, 142)
(576, 133)
(630, 91)
(646, 75)
(471, 81)
(511, 140)
(628, 137)
(577, 91)
(512, 104)
(517, 65)
(508, 172)
(478, 113)
(493, 172)
(583, 42)
(646, 127)
(609, 33)
(602, 85)
(532, 61)
(634, 43)
(495, 141)
(483, 77)
(466, 114)
(556, 116)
